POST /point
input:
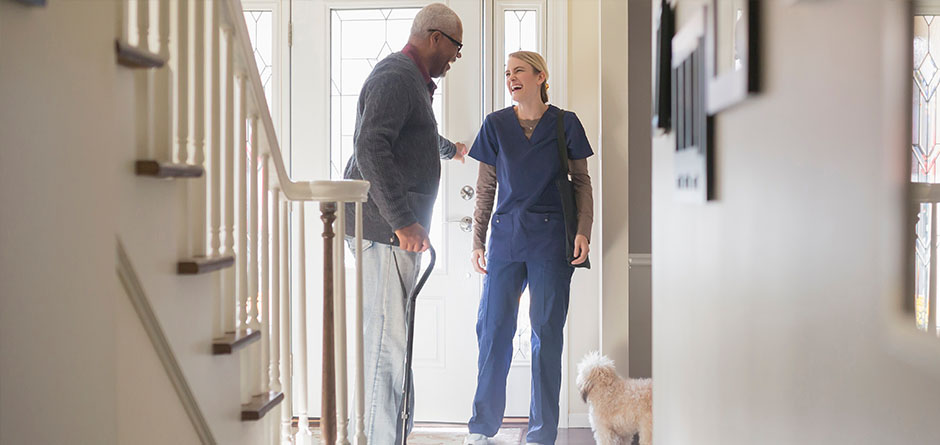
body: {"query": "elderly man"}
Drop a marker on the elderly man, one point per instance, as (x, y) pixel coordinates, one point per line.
(397, 149)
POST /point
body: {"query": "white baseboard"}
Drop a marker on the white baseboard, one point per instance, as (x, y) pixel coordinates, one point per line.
(578, 420)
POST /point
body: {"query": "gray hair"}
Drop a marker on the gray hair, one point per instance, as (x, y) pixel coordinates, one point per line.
(435, 16)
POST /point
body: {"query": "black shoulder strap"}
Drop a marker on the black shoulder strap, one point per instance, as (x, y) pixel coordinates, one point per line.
(562, 146)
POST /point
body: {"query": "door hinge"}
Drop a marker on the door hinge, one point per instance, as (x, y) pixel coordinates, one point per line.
(290, 34)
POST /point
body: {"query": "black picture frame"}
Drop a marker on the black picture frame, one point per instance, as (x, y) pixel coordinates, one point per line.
(693, 179)
(662, 97)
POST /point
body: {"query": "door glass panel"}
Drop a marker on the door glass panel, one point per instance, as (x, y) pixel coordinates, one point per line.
(520, 34)
(360, 39)
(924, 154)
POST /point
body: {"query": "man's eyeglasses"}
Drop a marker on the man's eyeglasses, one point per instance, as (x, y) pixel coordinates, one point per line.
(453, 40)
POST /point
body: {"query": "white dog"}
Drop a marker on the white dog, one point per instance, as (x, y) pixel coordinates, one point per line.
(618, 407)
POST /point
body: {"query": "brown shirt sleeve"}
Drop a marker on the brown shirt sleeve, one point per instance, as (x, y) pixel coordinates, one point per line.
(583, 195)
(486, 194)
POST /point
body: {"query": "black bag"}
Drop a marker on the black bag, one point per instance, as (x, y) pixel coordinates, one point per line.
(566, 190)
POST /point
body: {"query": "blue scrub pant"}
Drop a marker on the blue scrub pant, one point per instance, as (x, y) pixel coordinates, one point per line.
(549, 284)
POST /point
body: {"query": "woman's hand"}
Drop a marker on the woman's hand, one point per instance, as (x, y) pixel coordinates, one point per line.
(581, 249)
(478, 258)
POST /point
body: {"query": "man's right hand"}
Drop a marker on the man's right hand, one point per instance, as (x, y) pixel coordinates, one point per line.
(413, 238)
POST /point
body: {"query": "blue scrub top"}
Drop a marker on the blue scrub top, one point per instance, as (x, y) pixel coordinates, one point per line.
(528, 223)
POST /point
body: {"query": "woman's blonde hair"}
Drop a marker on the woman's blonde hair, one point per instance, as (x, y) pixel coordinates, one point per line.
(537, 62)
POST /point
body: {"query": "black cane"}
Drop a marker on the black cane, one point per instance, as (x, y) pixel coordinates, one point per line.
(410, 314)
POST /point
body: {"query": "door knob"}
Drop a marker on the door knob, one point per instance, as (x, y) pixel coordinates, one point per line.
(466, 193)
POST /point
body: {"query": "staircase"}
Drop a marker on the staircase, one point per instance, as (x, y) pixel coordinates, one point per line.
(201, 117)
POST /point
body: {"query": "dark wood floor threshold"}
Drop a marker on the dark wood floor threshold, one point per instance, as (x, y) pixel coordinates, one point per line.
(260, 405)
(199, 265)
(133, 57)
(166, 170)
(233, 341)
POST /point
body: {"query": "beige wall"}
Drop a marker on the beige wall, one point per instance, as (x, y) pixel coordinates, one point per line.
(57, 225)
(75, 364)
(769, 303)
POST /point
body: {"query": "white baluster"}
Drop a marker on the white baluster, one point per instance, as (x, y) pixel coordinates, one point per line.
(182, 65)
(244, 291)
(253, 266)
(274, 299)
(199, 202)
(142, 11)
(360, 361)
(230, 292)
(162, 115)
(267, 296)
(300, 361)
(283, 329)
(339, 304)
(126, 11)
(143, 83)
(216, 122)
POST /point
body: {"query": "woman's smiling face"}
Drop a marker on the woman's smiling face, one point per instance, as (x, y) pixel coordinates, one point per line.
(522, 81)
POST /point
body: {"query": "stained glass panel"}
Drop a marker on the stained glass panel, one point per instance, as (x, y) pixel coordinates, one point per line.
(360, 38)
(922, 265)
(924, 145)
(261, 33)
(521, 33)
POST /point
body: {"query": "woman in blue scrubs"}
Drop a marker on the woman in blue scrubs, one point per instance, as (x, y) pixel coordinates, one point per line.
(518, 152)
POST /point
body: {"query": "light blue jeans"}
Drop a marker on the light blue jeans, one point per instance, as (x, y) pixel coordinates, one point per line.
(388, 276)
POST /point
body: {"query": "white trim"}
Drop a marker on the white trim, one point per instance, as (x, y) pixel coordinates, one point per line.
(926, 7)
(557, 51)
(579, 420)
(135, 292)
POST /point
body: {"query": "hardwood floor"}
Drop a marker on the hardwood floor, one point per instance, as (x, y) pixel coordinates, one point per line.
(575, 436)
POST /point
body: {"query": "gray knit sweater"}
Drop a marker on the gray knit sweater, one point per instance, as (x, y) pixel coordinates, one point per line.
(397, 149)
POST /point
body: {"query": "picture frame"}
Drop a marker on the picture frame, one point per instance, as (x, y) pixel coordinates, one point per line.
(662, 77)
(732, 52)
(692, 126)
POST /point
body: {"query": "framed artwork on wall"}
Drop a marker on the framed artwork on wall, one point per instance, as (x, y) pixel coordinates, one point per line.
(691, 124)
(732, 52)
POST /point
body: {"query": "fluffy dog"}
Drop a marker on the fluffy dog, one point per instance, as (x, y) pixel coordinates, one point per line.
(618, 407)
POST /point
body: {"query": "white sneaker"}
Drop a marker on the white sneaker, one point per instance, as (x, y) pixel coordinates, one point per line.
(475, 439)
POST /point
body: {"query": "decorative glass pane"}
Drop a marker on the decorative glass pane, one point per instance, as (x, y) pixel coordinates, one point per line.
(521, 33)
(922, 265)
(360, 38)
(522, 342)
(261, 32)
(924, 147)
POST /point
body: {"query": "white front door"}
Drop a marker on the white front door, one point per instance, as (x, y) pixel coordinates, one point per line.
(353, 35)
(445, 336)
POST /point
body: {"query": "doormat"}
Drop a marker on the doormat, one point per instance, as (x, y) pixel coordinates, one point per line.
(452, 435)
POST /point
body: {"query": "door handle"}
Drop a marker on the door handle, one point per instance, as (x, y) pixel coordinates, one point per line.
(465, 223)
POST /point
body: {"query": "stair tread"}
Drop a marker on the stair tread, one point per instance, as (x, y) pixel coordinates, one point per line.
(233, 341)
(133, 57)
(158, 169)
(204, 264)
(261, 404)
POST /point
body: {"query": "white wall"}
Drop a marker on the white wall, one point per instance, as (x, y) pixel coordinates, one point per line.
(769, 303)
(584, 99)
